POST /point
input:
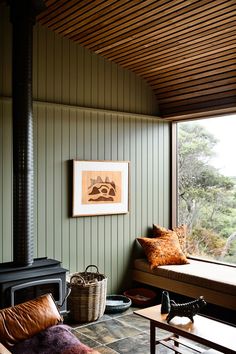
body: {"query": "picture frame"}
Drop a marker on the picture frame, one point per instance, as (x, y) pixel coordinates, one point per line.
(100, 187)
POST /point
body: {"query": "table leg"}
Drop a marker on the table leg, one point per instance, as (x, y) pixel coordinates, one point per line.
(152, 338)
(176, 343)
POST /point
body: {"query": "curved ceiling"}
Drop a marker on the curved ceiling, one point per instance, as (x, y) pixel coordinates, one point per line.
(185, 49)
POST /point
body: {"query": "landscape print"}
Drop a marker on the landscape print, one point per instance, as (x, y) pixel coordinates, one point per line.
(101, 187)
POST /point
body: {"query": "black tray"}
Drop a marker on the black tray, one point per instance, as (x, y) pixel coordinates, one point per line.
(117, 303)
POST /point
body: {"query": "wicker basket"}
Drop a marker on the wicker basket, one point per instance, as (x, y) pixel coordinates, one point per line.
(87, 300)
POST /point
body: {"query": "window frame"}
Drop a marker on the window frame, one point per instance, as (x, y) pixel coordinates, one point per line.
(174, 175)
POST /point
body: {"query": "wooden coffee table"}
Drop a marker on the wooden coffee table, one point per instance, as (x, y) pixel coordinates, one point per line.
(214, 334)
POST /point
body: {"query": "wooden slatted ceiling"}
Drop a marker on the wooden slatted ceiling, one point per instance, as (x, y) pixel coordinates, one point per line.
(185, 49)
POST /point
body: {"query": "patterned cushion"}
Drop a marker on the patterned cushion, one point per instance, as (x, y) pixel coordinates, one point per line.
(180, 230)
(162, 250)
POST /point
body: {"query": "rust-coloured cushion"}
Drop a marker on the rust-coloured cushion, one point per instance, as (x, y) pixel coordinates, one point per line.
(162, 250)
(27, 319)
(180, 230)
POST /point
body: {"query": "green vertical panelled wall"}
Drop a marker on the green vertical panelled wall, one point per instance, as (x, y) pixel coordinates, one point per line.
(74, 92)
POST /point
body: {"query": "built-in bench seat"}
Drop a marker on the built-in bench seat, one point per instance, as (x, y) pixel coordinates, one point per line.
(216, 282)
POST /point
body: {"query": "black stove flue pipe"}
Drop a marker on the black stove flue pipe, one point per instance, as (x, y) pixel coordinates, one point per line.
(23, 15)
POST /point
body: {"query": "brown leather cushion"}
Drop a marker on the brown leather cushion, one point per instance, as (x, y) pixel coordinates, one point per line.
(27, 319)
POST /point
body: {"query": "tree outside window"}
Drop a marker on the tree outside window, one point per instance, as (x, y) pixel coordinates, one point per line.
(206, 196)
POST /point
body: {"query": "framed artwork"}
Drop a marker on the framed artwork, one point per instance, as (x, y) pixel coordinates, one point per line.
(100, 187)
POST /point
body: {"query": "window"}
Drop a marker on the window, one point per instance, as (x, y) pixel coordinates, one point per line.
(206, 186)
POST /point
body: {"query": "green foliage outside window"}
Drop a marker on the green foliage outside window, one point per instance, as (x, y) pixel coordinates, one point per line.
(206, 198)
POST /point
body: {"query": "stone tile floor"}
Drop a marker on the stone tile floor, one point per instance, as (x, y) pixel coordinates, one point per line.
(124, 333)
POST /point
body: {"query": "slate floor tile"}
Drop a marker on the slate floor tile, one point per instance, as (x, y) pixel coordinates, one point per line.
(133, 320)
(108, 331)
(106, 350)
(132, 345)
(85, 339)
(122, 333)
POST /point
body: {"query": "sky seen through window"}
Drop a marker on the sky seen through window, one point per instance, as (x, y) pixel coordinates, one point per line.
(224, 129)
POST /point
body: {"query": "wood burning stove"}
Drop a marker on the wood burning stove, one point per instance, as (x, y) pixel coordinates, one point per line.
(25, 277)
(19, 284)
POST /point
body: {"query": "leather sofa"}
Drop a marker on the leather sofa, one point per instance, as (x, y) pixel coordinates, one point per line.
(35, 327)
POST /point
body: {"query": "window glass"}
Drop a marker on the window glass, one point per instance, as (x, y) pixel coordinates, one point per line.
(206, 155)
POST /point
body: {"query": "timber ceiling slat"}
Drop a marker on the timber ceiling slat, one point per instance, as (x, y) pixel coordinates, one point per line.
(50, 2)
(56, 10)
(193, 84)
(185, 60)
(181, 58)
(201, 110)
(211, 75)
(181, 37)
(163, 48)
(167, 17)
(216, 102)
(197, 66)
(183, 107)
(186, 31)
(76, 31)
(160, 47)
(199, 96)
(185, 49)
(114, 18)
(183, 40)
(180, 51)
(66, 14)
(200, 86)
(169, 27)
(89, 9)
(162, 7)
(86, 18)
(202, 92)
(201, 107)
(77, 21)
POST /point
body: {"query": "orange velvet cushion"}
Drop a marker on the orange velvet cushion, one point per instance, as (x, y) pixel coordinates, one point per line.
(162, 250)
(180, 230)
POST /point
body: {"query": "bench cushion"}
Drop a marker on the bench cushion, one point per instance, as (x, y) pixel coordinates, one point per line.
(221, 278)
